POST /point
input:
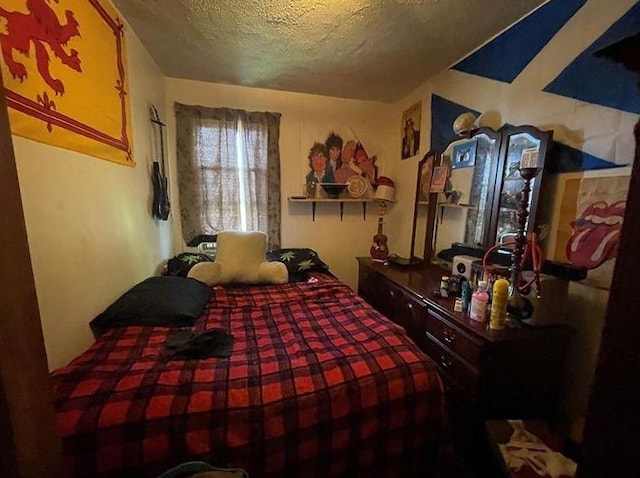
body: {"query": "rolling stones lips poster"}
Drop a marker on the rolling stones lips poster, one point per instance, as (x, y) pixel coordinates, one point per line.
(595, 234)
(596, 230)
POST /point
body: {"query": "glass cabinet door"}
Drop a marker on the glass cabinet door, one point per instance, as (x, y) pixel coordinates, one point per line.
(523, 147)
(480, 192)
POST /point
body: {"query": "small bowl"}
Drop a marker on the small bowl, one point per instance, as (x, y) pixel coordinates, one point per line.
(333, 190)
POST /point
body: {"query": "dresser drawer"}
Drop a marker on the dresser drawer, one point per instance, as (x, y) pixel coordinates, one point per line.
(451, 366)
(454, 339)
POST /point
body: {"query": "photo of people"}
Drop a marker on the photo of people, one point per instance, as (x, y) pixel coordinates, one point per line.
(333, 143)
(411, 131)
(337, 159)
(464, 154)
(347, 167)
(318, 162)
(365, 165)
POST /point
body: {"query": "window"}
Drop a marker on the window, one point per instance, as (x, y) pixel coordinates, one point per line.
(228, 171)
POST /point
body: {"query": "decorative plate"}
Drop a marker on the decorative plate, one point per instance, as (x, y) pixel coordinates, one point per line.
(357, 186)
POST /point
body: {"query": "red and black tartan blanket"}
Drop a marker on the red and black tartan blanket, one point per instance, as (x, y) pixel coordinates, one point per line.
(318, 384)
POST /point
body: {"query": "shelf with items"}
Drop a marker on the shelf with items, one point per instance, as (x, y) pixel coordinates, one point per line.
(341, 201)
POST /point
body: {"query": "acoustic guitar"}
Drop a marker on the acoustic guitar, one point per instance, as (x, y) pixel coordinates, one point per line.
(379, 251)
(161, 206)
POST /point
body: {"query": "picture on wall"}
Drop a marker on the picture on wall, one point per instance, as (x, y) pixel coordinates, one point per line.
(464, 154)
(341, 158)
(67, 85)
(596, 225)
(411, 130)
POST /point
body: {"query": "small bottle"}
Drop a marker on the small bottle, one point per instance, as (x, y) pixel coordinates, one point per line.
(444, 286)
(466, 295)
(479, 301)
(499, 304)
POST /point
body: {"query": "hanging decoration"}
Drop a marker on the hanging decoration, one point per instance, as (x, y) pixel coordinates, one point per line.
(64, 70)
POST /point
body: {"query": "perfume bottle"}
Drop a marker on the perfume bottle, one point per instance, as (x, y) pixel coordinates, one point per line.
(479, 301)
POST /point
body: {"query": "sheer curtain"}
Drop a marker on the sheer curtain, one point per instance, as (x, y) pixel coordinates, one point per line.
(228, 171)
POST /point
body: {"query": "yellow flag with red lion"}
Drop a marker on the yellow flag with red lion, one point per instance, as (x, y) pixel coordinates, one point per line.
(64, 72)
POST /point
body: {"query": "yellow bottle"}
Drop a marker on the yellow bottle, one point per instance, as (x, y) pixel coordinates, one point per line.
(499, 304)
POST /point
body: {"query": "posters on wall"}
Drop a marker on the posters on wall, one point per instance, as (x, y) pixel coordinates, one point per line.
(64, 70)
(595, 225)
(336, 156)
(411, 130)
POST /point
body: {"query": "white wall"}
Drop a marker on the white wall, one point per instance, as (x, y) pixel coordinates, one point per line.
(91, 234)
(337, 242)
(603, 132)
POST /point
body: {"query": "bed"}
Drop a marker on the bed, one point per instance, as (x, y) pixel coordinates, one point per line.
(318, 384)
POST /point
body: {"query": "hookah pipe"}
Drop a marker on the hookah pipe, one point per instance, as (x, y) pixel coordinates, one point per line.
(531, 249)
(518, 306)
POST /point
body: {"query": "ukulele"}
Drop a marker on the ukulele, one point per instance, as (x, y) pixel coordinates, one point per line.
(379, 251)
(161, 205)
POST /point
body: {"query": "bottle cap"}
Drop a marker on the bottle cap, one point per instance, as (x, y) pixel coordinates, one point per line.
(501, 286)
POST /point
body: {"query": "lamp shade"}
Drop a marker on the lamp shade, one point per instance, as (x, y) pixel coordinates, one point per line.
(386, 190)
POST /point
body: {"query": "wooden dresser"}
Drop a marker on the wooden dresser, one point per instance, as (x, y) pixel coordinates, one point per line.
(513, 373)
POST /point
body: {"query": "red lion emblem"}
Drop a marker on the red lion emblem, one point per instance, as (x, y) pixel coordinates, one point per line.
(41, 27)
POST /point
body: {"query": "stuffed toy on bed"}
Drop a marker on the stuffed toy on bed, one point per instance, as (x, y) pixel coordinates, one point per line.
(240, 259)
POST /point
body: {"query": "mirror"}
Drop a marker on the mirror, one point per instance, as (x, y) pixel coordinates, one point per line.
(462, 213)
(420, 233)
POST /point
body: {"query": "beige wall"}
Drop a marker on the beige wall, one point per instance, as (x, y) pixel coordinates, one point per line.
(337, 242)
(91, 234)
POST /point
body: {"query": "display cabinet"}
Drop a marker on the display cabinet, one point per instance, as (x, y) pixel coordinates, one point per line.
(478, 204)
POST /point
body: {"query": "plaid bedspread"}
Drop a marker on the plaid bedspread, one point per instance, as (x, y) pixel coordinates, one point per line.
(318, 384)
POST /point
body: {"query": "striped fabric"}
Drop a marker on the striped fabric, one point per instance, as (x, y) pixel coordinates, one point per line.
(318, 384)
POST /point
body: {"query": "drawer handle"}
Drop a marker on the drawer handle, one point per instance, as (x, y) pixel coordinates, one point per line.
(445, 361)
(449, 336)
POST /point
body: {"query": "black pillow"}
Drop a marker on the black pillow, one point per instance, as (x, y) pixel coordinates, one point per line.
(298, 260)
(156, 301)
(181, 264)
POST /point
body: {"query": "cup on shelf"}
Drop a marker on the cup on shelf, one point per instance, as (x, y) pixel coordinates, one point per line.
(310, 189)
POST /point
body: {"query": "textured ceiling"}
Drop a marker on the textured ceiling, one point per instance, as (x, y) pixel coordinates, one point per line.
(361, 49)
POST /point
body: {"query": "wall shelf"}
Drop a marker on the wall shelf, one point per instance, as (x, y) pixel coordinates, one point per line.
(341, 201)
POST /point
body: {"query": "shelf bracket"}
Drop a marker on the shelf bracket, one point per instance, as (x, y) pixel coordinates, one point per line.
(364, 210)
(341, 210)
(313, 211)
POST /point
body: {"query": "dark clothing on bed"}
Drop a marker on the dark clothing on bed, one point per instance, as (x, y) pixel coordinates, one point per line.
(187, 345)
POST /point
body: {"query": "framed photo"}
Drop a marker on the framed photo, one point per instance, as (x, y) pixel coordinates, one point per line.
(529, 158)
(410, 130)
(464, 154)
(439, 179)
